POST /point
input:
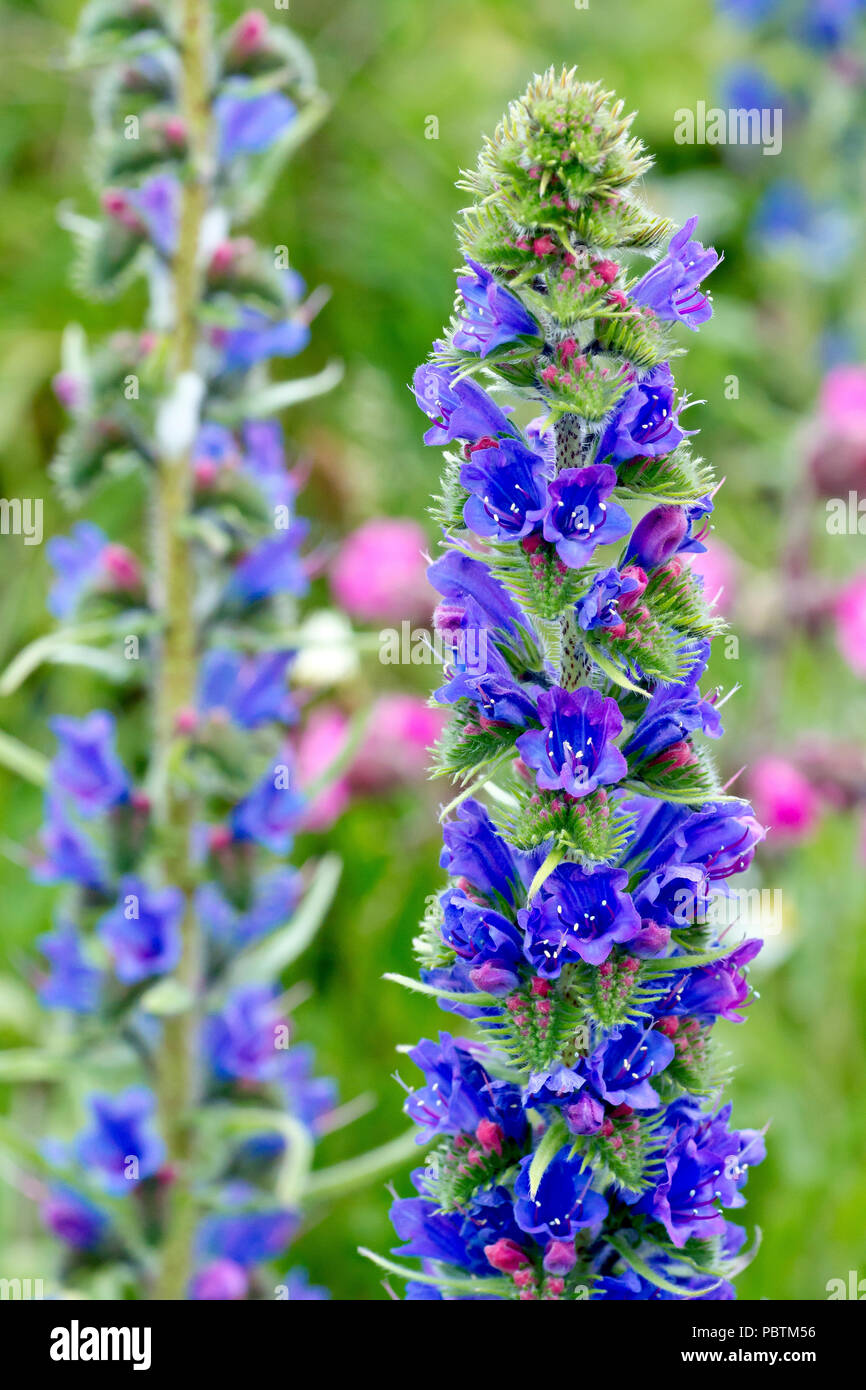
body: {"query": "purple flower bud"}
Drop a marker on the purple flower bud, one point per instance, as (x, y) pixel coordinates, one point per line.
(74, 1219)
(651, 940)
(493, 978)
(585, 1115)
(220, 1281)
(560, 1257)
(658, 536)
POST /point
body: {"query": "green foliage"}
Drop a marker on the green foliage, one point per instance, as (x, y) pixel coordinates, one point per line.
(677, 477)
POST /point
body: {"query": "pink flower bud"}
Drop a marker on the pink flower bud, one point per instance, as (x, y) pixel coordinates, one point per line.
(506, 1256)
(490, 1136)
(379, 573)
(850, 612)
(121, 567)
(784, 799)
(560, 1257)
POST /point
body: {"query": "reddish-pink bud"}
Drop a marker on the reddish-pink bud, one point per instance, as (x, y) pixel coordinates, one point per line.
(121, 567)
(490, 1136)
(186, 721)
(606, 271)
(506, 1256)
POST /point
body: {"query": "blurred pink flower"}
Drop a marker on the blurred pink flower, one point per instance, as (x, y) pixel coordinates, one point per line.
(838, 458)
(322, 738)
(784, 800)
(396, 746)
(379, 573)
(719, 567)
(850, 613)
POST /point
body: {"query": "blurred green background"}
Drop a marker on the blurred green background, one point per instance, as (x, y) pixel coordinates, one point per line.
(367, 208)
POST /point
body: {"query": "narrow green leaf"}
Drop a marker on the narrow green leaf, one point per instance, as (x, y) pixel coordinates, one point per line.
(554, 858)
(278, 396)
(552, 1141)
(641, 1267)
(166, 998)
(266, 960)
(476, 997)
(17, 757)
(31, 657)
(479, 1286)
(613, 672)
(28, 1064)
(662, 967)
(356, 1172)
(292, 1174)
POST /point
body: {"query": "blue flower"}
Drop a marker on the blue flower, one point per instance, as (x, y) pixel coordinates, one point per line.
(574, 750)
(270, 814)
(672, 896)
(74, 1219)
(264, 460)
(458, 1094)
(257, 338)
(622, 1067)
(246, 1237)
(86, 767)
(68, 855)
(579, 517)
(300, 1290)
(120, 1144)
(830, 23)
(157, 202)
(459, 408)
(670, 289)
(750, 11)
(748, 88)
(309, 1098)
(243, 1038)
(478, 932)
(475, 850)
(275, 896)
(77, 560)
(564, 1203)
(142, 933)
(578, 914)
(819, 234)
(474, 598)
(705, 1166)
(645, 423)
(598, 607)
(498, 697)
(712, 991)
(73, 983)
(508, 498)
(674, 712)
(493, 317)
(456, 1238)
(720, 838)
(274, 566)
(249, 122)
(251, 689)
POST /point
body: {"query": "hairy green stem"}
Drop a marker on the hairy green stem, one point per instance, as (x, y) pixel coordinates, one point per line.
(574, 665)
(175, 677)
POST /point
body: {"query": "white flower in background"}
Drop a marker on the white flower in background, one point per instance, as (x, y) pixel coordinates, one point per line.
(327, 653)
